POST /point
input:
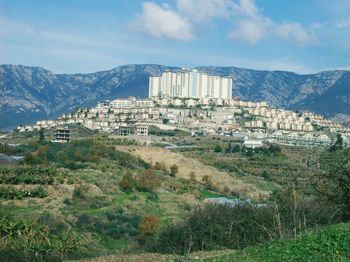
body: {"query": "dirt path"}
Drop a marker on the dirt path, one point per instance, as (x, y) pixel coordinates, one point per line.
(186, 165)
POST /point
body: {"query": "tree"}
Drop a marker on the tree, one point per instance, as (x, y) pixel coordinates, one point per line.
(338, 144)
(218, 148)
(174, 170)
(41, 135)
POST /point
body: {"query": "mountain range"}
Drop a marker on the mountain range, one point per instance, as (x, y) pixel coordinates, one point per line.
(32, 93)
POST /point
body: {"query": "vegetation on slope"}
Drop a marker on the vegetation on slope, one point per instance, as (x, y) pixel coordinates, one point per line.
(324, 244)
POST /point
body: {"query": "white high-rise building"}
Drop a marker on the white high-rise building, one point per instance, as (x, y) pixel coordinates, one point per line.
(190, 83)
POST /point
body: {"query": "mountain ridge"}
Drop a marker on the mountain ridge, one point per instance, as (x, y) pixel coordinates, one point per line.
(30, 93)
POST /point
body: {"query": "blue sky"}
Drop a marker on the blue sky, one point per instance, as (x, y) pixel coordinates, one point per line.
(73, 36)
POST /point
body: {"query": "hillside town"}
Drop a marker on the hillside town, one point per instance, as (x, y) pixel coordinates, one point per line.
(250, 121)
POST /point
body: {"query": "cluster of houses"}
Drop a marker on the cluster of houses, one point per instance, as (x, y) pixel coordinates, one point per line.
(278, 119)
(203, 116)
(325, 123)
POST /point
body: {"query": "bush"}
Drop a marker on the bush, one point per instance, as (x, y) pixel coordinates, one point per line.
(223, 226)
(218, 149)
(148, 181)
(4, 148)
(148, 226)
(266, 175)
(333, 183)
(192, 181)
(26, 240)
(40, 192)
(114, 224)
(127, 183)
(67, 201)
(152, 196)
(218, 226)
(208, 183)
(174, 170)
(232, 148)
(161, 166)
(81, 192)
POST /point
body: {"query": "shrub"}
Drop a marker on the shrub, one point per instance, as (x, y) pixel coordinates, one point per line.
(174, 170)
(71, 180)
(232, 148)
(127, 183)
(4, 148)
(223, 226)
(67, 201)
(218, 226)
(266, 175)
(333, 184)
(42, 153)
(161, 166)
(148, 226)
(148, 181)
(26, 240)
(338, 144)
(192, 180)
(208, 183)
(78, 156)
(30, 175)
(80, 192)
(115, 224)
(40, 192)
(152, 196)
(218, 149)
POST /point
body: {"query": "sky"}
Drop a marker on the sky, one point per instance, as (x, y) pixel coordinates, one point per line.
(82, 36)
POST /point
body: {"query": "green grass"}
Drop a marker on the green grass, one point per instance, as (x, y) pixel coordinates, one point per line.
(325, 244)
(210, 194)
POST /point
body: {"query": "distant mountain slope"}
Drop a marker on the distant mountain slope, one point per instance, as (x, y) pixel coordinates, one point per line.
(32, 93)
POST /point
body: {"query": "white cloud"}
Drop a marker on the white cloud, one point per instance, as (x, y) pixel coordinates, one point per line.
(205, 10)
(247, 8)
(294, 32)
(249, 30)
(252, 26)
(162, 22)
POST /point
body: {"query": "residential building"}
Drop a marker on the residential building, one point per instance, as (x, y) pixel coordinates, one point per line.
(190, 84)
(62, 135)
